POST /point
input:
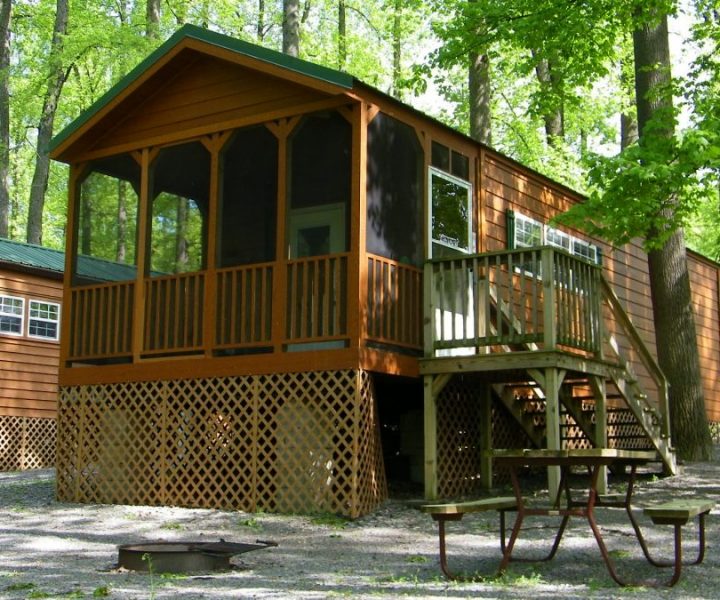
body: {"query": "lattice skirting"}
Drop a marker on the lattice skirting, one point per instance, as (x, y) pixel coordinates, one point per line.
(291, 442)
(26, 443)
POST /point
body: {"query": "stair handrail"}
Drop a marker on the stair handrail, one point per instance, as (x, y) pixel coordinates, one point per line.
(643, 351)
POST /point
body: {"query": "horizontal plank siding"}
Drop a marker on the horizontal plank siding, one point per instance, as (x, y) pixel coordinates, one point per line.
(29, 366)
(704, 283)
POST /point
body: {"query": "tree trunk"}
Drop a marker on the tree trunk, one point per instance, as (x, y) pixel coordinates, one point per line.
(479, 89)
(628, 130)
(342, 35)
(122, 217)
(56, 81)
(152, 19)
(181, 241)
(397, 49)
(553, 116)
(675, 332)
(5, 10)
(291, 28)
(260, 31)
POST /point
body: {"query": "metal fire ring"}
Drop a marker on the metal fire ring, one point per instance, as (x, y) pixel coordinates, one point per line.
(183, 557)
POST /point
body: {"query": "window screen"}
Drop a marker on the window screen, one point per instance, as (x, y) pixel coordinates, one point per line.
(394, 190)
(12, 310)
(44, 320)
(248, 202)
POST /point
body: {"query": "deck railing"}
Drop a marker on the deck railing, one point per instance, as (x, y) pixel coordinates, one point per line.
(317, 298)
(244, 306)
(531, 298)
(394, 303)
(101, 318)
(174, 313)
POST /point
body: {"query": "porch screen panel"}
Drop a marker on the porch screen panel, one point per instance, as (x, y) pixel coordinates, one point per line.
(107, 221)
(104, 269)
(320, 185)
(180, 188)
(394, 191)
(248, 201)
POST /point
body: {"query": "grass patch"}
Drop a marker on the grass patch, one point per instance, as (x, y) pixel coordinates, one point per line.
(330, 520)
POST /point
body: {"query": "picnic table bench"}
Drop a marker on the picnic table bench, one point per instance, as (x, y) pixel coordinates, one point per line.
(454, 511)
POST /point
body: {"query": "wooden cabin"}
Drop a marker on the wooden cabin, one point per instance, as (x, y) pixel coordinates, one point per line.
(285, 288)
(30, 299)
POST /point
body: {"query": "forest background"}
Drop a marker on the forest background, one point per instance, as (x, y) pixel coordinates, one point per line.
(59, 56)
(579, 90)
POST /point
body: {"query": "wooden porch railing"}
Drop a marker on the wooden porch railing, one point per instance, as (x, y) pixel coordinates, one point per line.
(317, 299)
(533, 297)
(174, 313)
(244, 306)
(647, 360)
(101, 321)
(394, 303)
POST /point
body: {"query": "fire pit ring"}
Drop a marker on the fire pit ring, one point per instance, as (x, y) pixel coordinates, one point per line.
(183, 557)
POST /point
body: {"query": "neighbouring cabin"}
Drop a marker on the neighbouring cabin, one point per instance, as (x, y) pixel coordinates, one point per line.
(30, 312)
(285, 289)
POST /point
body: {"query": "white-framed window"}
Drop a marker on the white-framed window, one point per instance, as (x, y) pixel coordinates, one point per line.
(528, 232)
(44, 320)
(450, 209)
(12, 312)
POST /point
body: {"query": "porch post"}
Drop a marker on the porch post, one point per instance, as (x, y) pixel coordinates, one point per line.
(599, 391)
(553, 380)
(486, 441)
(430, 424)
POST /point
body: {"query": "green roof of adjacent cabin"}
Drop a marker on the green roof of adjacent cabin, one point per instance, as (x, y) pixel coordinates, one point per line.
(30, 256)
(226, 42)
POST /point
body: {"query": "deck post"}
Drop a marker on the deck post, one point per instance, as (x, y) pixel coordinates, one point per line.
(553, 380)
(549, 300)
(430, 424)
(600, 393)
(486, 441)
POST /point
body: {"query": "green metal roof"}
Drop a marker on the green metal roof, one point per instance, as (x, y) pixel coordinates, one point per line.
(31, 256)
(273, 57)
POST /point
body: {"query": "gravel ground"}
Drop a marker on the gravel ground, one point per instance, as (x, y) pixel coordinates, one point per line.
(58, 550)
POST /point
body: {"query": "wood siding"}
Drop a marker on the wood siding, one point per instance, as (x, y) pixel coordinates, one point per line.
(29, 366)
(208, 94)
(705, 287)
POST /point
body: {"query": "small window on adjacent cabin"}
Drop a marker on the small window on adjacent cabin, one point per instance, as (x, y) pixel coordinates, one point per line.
(450, 214)
(12, 310)
(394, 191)
(248, 201)
(107, 221)
(44, 320)
(320, 166)
(179, 204)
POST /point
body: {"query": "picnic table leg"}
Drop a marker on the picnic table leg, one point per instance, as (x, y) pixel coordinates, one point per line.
(641, 539)
(508, 548)
(590, 514)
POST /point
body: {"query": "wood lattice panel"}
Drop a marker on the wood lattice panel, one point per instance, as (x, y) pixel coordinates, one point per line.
(291, 442)
(458, 438)
(26, 443)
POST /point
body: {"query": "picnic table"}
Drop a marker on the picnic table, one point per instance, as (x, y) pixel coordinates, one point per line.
(567, 504)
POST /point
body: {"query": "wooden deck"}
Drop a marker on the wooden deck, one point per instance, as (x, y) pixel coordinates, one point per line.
(548, 321)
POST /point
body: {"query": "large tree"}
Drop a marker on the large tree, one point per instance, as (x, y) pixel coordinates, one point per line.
(669, 278)
(648, 191)
(5, 10)
(57, 75)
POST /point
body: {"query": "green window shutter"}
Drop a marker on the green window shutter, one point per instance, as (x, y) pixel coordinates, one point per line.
(510, 228)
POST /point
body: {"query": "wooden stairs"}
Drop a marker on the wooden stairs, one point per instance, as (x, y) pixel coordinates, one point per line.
(632, 421)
